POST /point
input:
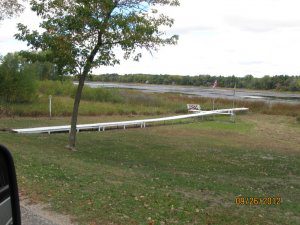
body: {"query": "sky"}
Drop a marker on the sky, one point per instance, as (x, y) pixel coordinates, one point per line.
(216, 37)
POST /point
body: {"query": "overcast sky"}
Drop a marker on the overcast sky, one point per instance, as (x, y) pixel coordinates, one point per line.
(217, 37)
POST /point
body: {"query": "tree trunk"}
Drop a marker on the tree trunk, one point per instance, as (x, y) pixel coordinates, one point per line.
(86, 70)
(72, 136)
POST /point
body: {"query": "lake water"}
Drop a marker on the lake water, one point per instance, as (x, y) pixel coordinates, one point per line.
(252, 95)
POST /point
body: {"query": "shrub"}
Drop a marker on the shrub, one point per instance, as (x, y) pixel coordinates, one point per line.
(56, 88)
(17, 80)
(140, 98)
(100, 95)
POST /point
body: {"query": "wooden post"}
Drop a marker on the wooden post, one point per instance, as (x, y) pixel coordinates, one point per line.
(50, 106)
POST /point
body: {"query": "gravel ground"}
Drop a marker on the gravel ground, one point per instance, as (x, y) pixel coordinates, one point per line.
(36, 214)
(31, 218)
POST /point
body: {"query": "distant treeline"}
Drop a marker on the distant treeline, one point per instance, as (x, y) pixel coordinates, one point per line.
(279, 82)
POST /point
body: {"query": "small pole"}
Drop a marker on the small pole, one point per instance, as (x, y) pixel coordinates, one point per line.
(214, 87)
(50, 106)
(234, 92)
(213, 108)
(233, 104)
(232, 117)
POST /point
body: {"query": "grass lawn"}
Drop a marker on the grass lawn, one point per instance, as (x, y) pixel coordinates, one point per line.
(175, 174)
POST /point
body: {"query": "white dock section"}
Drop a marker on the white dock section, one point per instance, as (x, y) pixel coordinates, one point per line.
(123, 124)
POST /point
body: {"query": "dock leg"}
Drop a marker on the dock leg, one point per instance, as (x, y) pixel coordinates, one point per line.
(232, 117)
(124, 127)
(99, 128)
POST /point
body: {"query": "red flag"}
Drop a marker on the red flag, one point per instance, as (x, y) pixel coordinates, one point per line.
(215, 84)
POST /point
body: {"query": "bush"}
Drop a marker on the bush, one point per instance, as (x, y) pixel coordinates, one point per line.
(100, 95)
(56, 88)
(17, 80)
(140, 98)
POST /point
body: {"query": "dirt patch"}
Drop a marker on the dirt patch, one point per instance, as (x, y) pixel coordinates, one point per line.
(39, 214)
(270, 132)
(275, 132)
(208, 197)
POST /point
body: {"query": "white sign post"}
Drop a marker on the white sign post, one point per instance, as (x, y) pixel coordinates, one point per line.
(50, 105)
(214, 87)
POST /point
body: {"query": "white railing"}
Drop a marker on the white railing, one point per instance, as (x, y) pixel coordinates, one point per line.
(123, 124)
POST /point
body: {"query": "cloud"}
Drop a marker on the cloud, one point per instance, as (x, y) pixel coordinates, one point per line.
(215, 37)
(5, 38)
(247, 63)
(8, 28)
(262, 25)
(192, 29)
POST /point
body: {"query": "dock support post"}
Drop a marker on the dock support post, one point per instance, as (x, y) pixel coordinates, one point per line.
(232, 117)
(99, 128)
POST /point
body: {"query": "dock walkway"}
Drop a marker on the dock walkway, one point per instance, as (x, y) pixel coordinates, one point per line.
(124, 124)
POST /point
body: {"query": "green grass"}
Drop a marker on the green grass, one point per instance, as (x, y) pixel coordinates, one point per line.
(62, 106)
(135, 103)
(105, 101)
(175, 174)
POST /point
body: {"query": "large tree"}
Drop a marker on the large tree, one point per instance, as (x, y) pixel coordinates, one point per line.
(84, 34)
(9, 8)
